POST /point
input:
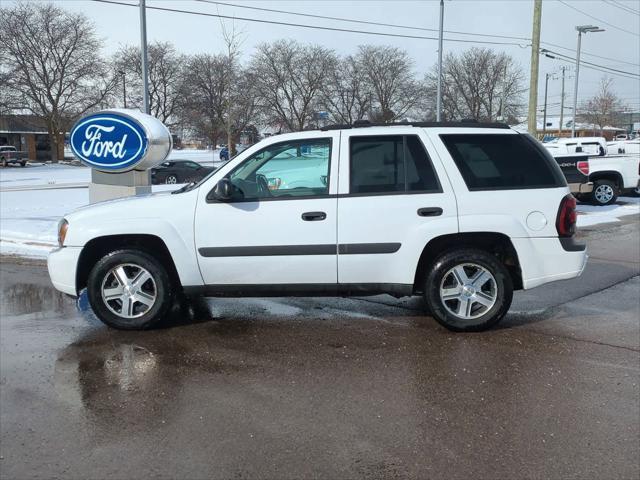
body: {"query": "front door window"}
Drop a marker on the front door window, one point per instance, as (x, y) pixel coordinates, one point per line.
(285, 170)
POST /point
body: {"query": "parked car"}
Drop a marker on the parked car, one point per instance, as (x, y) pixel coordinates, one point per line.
(224, 152)
(462, 214)
(179, 171)
(9, 154)
(575, 169)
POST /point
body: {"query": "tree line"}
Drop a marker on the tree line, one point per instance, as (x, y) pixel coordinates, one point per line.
(51, 66)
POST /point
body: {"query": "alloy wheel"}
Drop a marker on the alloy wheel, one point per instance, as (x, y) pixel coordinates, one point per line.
(468, 291)
(604, 193)
(129, 290)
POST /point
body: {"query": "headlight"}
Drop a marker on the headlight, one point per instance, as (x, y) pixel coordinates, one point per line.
(63, 226)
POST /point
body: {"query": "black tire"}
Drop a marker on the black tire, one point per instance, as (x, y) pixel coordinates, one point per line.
(164, 291)
(171, 180)
(605, 192)
(502, 288)
(22, 164)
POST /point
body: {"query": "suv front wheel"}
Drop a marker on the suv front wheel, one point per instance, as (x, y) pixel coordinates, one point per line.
(129, 290)
(468, 290)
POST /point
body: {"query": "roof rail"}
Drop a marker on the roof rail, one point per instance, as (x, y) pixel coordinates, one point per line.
(460, 124)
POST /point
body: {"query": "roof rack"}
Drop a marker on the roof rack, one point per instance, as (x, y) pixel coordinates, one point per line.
(459, 124)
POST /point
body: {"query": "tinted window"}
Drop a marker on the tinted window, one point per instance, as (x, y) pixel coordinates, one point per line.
(290, 169)
(495, 161)
(390, 163)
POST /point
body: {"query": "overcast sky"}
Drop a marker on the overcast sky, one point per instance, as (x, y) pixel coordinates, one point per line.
(119, 25)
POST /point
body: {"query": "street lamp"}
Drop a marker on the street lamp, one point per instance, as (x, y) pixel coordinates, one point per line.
(581, 29)
(124, 87)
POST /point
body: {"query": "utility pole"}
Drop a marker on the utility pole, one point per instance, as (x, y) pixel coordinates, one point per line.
(439, 94)
(535, 62)
(581, 29)
(544, 118)
(561, 104)
(143, 50)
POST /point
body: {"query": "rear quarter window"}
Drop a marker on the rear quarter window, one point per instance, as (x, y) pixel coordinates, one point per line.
(502, 161)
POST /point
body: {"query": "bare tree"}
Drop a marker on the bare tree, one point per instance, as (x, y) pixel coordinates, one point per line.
(478, 83)
(51, 66)
(391, 80)
(232, 41)
(602, 109)
(289, 78)
(346, 94)
(207, 108)
(166, 78)
(204, 102)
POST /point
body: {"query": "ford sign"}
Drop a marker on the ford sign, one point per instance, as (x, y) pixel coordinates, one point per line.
(120, 140)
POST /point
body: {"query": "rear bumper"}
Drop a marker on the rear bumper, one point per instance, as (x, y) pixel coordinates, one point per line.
(544, 260)
(579, 188)
(62, 264)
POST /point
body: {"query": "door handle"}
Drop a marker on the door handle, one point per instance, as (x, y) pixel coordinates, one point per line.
(430, 212)
(313, 216)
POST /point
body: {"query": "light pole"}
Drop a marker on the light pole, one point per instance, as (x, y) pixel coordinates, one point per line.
(124, 87)
(143, 50)
(544, 117)
(439, 94)
(581, 29)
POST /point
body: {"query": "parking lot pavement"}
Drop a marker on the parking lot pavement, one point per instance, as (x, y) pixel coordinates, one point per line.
(328, 388)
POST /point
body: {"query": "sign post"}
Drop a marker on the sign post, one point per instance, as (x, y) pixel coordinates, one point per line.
(120, 146)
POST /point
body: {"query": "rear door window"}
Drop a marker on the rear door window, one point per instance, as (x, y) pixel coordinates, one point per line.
(390, 164)
(502, 162)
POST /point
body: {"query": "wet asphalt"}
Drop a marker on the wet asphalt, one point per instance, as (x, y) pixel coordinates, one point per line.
(328, 388)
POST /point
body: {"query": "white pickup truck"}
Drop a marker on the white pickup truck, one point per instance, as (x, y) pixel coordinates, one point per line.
(613, 175)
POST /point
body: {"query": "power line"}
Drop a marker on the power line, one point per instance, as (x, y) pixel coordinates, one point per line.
(316, 27)
(366, 22)
(599, 19)
(590, 54)
(584, 62)
(622, 7)
(410, 27)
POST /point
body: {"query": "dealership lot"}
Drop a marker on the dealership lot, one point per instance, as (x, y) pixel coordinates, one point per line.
(284, 388)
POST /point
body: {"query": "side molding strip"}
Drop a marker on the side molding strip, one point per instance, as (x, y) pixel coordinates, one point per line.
(322, 249)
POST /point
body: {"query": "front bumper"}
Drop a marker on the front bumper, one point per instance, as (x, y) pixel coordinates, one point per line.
(62, 264)
(580, 188)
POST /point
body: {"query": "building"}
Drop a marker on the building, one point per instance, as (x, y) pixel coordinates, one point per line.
(28, 133)
(552, 129)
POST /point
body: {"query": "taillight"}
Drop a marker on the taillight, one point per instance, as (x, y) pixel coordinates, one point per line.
(567, 216)
(583, 167)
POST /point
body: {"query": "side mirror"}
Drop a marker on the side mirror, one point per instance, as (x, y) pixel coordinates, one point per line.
(223, 191)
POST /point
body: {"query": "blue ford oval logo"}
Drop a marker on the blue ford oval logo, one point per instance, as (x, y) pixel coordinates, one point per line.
(109, 141)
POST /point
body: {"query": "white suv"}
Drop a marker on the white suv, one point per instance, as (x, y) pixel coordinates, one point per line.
(460, 213)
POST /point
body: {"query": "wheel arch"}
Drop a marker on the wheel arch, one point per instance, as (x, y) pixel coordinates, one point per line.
(97, 247)
(498, 244)
(608, 175)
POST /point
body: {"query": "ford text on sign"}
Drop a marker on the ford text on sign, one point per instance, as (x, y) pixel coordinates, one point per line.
(109, 141)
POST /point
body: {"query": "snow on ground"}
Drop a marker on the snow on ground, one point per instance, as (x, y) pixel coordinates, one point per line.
(40, 174)
(589, 215)
(29, 218)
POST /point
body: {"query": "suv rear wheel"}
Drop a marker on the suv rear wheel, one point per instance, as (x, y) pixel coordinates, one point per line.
(468, 290)
(129, 290)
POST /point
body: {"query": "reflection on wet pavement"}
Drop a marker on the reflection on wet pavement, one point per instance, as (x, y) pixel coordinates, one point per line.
(290, 388)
